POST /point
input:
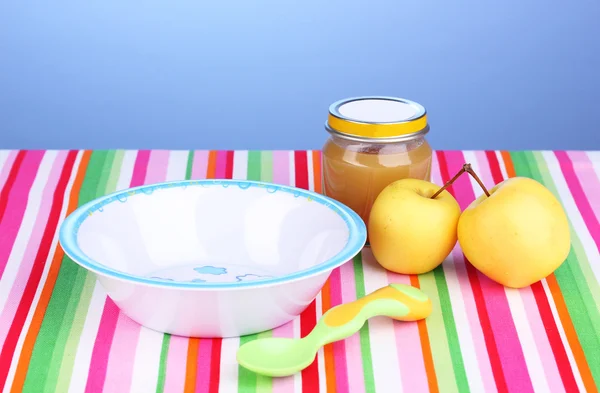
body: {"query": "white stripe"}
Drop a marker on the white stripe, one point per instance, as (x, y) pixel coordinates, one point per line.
(573, 213)
(147, 361)
(228, 379)
(240, 165)
(594, 157)
(3, 158)
(321, 352)
(463, 327)
(38, 292)
(83, 355)
(382, 334)
(85, 345)
(502, 165)
(147, 357)
(127, 167)
(177, 165)
(530, 352)
(23, 237)
(311, 171)
(471, 158)
(563, 337)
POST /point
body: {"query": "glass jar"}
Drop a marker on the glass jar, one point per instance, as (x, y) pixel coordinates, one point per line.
(373, 142)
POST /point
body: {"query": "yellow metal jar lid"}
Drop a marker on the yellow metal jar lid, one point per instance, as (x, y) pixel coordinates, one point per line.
(382, 118)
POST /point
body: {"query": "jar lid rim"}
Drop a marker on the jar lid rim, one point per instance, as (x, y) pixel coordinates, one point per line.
(377, 117)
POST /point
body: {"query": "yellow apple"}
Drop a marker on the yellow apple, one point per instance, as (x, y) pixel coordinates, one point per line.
(409, 232)
(516, 236)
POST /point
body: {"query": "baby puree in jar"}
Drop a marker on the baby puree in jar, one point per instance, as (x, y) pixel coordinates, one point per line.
(373, 142)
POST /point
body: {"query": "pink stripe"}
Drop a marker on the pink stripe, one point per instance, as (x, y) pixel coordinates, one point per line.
(127, 332)
(459, 269)
(284, 384)
(583, 198)
(157, 167)
(6, 167)
(176, 364)
(281, 167)
(98, 363)
(354, 365)
(122, 355)
(203, 365)
(409, 350)
(31, 249)
(140, 168)
(17, 202)
(339, 347)
(200, 164)
(507, 341)
(100, 367)
(588, 178)
(541, 341)
(221, 166)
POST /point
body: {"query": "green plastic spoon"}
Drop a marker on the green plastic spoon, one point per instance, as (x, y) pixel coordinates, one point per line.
(278, 357)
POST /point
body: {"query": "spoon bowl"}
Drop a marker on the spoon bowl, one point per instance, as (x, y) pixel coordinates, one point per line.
(276, 356)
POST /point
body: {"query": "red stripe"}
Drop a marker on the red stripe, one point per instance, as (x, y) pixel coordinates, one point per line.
(541, 298)
(308, 318)
(38, 268)
(482, 311)
(10, 181)
(560, 354)
(215, 365)
(229, 165)
(494, 166)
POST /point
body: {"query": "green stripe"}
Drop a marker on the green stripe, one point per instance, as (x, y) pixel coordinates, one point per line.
(190, 164)
(365, 341)
(460, 373)
(249, 382)
(266, 166)
(67, 284)
(436, 329)
(254, 170)
(571, 277)
(113, 169)
(60, 371)
(162, 370)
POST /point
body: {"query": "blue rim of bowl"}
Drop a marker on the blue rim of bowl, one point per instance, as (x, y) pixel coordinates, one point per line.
(69, 229)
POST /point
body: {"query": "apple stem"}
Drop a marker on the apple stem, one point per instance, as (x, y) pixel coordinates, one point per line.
(466, 168)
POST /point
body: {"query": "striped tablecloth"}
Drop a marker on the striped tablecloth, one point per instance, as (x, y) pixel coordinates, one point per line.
(60, 333)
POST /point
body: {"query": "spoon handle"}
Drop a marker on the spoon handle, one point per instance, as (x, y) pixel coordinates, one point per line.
(398, 301)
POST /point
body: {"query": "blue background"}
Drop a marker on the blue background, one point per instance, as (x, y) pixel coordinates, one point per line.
(261, 74)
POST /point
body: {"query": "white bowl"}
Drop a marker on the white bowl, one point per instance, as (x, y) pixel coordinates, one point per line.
(212, 258)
